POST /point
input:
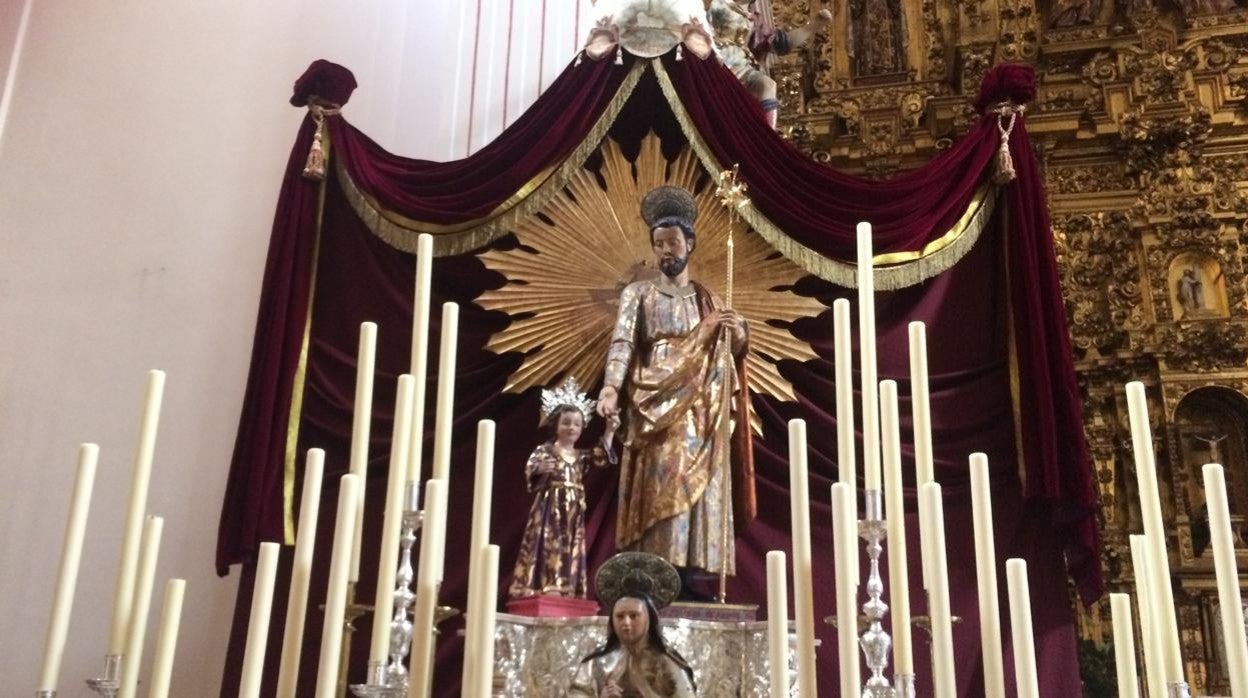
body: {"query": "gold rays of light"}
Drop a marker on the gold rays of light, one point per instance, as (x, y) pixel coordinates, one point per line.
(587, 244)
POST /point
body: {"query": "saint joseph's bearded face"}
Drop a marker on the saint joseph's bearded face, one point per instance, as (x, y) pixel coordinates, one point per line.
(671, 249)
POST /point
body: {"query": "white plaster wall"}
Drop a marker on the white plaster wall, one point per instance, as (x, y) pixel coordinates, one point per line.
(139, 168)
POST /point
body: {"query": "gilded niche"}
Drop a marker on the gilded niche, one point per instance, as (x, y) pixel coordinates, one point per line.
(1141, 125)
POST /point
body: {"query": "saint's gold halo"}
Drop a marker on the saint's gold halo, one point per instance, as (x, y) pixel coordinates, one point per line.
(575, 257)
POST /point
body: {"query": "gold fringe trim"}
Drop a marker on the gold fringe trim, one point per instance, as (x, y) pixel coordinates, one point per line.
(894, 270)
(296, 393)
(401, 232)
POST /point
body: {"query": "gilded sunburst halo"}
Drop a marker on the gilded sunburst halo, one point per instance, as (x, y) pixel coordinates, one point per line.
(575, 257)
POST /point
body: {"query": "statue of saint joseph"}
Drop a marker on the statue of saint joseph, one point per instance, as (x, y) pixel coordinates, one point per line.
(674, 367)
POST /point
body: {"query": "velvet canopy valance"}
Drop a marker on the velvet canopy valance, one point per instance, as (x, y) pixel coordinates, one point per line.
(966, 252)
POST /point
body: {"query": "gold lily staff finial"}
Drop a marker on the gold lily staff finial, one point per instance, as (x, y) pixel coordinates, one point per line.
(730, 191)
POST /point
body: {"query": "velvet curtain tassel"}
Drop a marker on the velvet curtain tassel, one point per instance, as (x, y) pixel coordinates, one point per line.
(315, 167)
(1007, 113)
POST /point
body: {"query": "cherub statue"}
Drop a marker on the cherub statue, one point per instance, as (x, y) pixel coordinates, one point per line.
(748, 42)
(552, 554)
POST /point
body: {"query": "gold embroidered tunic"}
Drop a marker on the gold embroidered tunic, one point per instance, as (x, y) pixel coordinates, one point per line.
(671, 373)
(552, 553)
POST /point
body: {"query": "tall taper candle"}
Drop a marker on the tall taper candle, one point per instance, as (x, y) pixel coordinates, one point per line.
(336, 590)
(482, 504)
(427, 581)
(944, 679)
(921, 416)
(361, 427)
(986, 578)
(867, 359)
(844, 537)
(446, 392)
(487, 611)
(1024, 638)
(67, 574)
(1124, 646)
(132, 659)
(136, 508)
(845, 432)
(167, 639)
(895, 513)
(300, 574)
(1229, 598)
(1154, 674)
(1155, 530)
(420, 359)
(803, 560)
(777, 624)
(258, 625)
(392, 524)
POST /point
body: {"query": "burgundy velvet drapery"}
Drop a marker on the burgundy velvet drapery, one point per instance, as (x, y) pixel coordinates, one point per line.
(969, 310)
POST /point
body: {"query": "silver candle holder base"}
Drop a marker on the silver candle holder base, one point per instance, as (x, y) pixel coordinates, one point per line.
(110, 683)
(45, 693)
(378, 685)
(904, 686)
(1178, 689)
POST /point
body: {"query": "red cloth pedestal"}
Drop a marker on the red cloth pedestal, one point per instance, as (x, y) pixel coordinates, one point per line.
(552, 606)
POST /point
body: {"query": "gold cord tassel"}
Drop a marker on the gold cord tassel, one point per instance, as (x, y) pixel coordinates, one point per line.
(1005, 172)
(314, 169)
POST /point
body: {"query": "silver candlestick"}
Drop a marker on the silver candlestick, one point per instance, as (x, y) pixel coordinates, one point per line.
(45, 693)
(1178, 689)
(875, 641)
(108, 684)
(390, 680)
(904, 685)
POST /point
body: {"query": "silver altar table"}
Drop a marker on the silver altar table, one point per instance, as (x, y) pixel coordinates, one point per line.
(537, 657)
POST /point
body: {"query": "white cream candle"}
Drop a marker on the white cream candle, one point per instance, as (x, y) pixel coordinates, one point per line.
(944, 676)
(1154, 675)
(895, 514)
(419, 368)
(921, 417)
(446, 392)
(1229, 598)
(844, 537)
(361, 428)
(392, 524)
(867, 359)
(67, 574)
(132, 656)
(986, 578)
(845, 434)
(777, 624)
(1155, 531)
(427, 581)
(258, 625)
(167, 639)
(482, 505)
(1024, 638)
(300, 574)
(336, 589)
(487, 610)
(136, 508)
(1124, 646)
(803, 559)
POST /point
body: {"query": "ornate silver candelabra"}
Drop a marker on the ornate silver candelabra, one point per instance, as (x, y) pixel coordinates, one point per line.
(389, 680)
(108, 684)
(875, 641)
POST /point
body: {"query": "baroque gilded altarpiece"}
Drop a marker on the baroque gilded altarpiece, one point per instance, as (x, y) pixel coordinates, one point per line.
(1141, 124)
